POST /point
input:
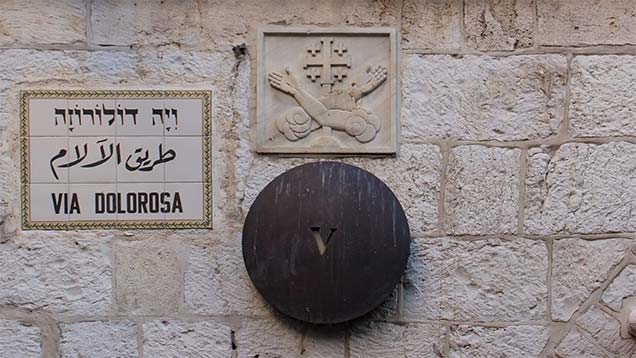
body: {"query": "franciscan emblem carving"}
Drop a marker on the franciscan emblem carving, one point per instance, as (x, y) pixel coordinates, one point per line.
(327, 78)
(340, 109)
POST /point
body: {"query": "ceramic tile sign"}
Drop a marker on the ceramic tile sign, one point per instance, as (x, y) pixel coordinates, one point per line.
(116, 159)
(322, 90)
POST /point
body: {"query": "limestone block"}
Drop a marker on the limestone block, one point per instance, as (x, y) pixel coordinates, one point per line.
(268, 338)
(148, 278)
(186, 339)
(504, 25)
(382, 339)
(101, 339)
(42, 22)
(19, 340)
(234, 21)
(146, 22)
(482, 98)
(581, 188)
(606, 331)
(482, 190)
(578, 268)
(483, 342)
(623, 286)
(60, 273)
(577, 345)
(479, 280)
(586, 23)
(376, 13)
(431, 25)
(216, 281)
(602, 92)
(414, 177)
(319, 342)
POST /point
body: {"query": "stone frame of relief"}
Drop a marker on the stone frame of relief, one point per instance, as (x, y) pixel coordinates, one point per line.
(327, 90)
(52, 119)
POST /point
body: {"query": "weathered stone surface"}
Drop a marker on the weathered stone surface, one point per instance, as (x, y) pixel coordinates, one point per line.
(19, 340)
(499, 25)
(186, 339)
(216, 281)
(581, 188)
(483, 342)
(102, 339)
(482, 98)
(379, 339)
(578, 268)
(234, 21)
(319, 342)
(145, 22)
(93, 67)
(606, 331)
(577, 345)
(60, 273)
(363, 12)
(482, 190)
(623, 286)
(431, 25)
(42, 22)
(480, 280)
(584, 23)
(602, 92)
(268, 338)
(148, 277)
(415, 178)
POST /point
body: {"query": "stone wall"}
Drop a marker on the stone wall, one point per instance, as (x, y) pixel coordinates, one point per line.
(517, 170)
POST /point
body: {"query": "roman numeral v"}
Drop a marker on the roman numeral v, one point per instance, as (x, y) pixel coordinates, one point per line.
(322, 244)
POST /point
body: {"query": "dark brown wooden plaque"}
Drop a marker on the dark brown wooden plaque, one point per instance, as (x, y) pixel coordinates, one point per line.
(325, 242)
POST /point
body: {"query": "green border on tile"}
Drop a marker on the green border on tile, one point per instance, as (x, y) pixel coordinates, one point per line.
(205, 223)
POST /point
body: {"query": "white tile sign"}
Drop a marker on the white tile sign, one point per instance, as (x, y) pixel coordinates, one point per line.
(116, 159)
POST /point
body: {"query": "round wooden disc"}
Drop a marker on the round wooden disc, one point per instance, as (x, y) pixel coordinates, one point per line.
(325, 242)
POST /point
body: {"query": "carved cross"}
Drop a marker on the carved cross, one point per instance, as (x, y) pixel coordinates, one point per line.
(327, 61)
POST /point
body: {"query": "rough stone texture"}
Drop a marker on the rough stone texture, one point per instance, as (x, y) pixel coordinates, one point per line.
(63, 274)
(319, 342)
(186, 339)
(465, 280)
(42, 22)
(581, 188)
(602, 93)
(379, 339)
(578, 268)
(577, 345)
(482, 190)
(374, 13)
(499, 25)
(19, 340)
(606, 331)
(146, 22)
(586, 22)
(268, 338)
(216, 281)
(103, 339)
(623, 286)
(482, 98)
(148, 277)
(483, 342)
(431, 24)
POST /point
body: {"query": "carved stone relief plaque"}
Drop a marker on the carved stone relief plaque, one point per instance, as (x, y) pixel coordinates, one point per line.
(327, 90)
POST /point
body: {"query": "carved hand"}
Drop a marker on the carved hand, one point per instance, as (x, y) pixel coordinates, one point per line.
(286, 83)
(377, 75)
